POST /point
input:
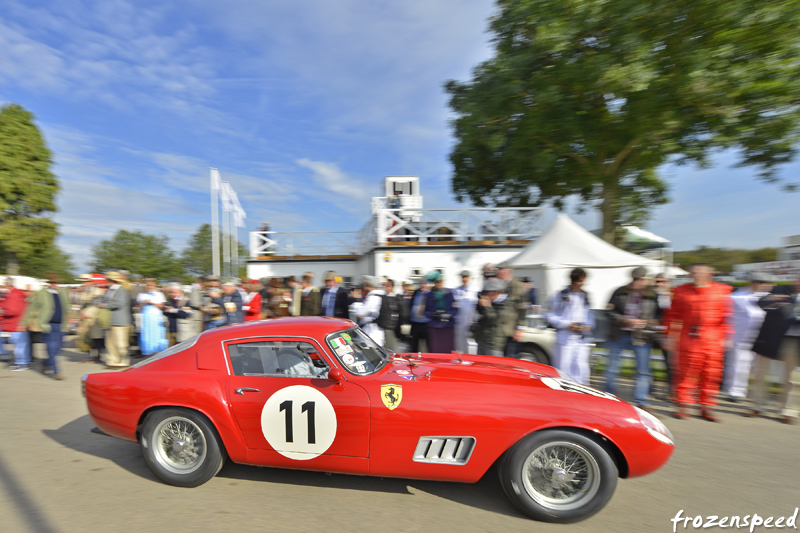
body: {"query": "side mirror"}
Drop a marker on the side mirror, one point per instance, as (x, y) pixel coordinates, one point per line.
(335, 375)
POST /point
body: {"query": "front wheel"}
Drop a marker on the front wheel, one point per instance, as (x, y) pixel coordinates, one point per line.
(181, 447)
(558, 476)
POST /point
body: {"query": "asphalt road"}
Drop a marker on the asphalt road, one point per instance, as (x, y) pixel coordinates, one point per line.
(56, 474)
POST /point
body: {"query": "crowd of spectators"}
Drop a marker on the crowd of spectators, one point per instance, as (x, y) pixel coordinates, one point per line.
(714, 341)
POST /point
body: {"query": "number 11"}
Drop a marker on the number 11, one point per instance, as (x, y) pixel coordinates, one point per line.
(307, 407)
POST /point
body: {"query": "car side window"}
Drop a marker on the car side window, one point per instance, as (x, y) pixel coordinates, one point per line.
(277, 358)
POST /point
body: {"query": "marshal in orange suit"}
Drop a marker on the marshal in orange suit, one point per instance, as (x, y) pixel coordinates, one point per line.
(699, 320)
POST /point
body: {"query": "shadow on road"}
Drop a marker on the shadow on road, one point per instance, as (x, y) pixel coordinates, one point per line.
(486, 494)
(78, 435)
(82, 436)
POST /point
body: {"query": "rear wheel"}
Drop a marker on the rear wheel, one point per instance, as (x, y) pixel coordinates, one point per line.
(181, 447)
(558, 476)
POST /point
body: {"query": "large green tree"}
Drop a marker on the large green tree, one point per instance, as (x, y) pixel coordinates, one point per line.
(590, 97)
(140, 253)
(27, 188)
(197, 256)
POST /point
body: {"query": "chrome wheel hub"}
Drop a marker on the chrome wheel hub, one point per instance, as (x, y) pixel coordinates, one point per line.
(179, 445)
(561, 475)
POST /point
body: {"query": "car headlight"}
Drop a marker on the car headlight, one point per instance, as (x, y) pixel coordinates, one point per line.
(655, 427)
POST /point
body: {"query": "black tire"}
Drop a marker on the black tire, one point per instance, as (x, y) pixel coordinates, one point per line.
(576, 481)
(181, 447)
(533, 353)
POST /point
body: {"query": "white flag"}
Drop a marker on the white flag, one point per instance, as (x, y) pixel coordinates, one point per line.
(238, 213)
(215, 180)
(226, 196)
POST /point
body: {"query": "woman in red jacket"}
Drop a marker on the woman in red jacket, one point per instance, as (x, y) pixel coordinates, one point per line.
(253, 302)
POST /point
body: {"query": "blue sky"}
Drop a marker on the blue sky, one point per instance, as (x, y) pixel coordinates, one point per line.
(304, 106)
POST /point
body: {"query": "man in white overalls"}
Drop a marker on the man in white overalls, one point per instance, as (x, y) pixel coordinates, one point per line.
(570, 314)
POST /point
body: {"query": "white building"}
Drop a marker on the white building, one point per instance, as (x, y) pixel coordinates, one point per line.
(402, 241)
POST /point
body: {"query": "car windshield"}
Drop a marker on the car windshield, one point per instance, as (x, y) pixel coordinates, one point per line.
(357, 351)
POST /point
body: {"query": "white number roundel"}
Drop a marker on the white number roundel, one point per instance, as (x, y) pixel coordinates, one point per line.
(299, 422)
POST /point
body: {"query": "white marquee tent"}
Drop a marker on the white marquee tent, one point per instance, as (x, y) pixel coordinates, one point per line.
(565, 245)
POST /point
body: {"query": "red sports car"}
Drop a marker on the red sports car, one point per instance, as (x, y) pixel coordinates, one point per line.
(318, 394)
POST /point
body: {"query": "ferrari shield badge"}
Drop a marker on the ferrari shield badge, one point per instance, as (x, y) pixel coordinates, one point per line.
(391, 395)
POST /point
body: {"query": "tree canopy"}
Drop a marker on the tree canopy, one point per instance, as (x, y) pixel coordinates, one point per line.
(590, 97)
(27, 188)
(140, 253)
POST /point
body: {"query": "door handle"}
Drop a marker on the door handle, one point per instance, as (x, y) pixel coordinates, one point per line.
(242, 390)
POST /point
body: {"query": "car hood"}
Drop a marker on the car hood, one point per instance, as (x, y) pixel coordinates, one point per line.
(464, 368)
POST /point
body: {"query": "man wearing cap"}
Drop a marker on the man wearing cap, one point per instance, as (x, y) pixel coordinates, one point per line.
(489, 342)
(466, 299)
(746, 319)
(118, 301)
(698, 323)
(632, 324)
(571, 314)
(513, 309)
(334, 299)
(441, 309)
(49, 312)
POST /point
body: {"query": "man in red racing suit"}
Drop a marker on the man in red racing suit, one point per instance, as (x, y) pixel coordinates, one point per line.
(699, 320)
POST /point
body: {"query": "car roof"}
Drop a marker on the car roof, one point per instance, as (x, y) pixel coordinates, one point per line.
(304, 326)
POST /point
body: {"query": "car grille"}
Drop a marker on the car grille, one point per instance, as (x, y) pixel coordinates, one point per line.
(444, 450)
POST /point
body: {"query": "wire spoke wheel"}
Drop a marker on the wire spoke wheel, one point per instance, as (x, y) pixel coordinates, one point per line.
(561, 475)
(179, 445)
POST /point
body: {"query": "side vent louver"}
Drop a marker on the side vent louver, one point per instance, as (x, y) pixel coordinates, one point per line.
(444, 450)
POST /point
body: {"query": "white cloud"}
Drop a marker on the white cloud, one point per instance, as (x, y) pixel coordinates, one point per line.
(347, 191)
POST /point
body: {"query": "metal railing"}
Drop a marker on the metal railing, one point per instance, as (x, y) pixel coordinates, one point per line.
(404, 226)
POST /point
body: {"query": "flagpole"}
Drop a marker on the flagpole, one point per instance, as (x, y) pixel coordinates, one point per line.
(214, 223)
(234, 246)
(226, 232)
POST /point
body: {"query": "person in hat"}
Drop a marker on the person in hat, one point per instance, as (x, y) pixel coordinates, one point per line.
(486, 327)
(746, 320)
(118, 301)
(633, 324)
(441, 310)
(465, 298)
(571, 314)
(698, 324)
(334, 299)
(49, 312)
(513, 308)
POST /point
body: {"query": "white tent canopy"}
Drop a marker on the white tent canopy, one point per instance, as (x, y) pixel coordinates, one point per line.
(564, 246)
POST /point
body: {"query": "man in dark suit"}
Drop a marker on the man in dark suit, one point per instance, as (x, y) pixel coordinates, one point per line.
(334, 298)
(779, 338)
